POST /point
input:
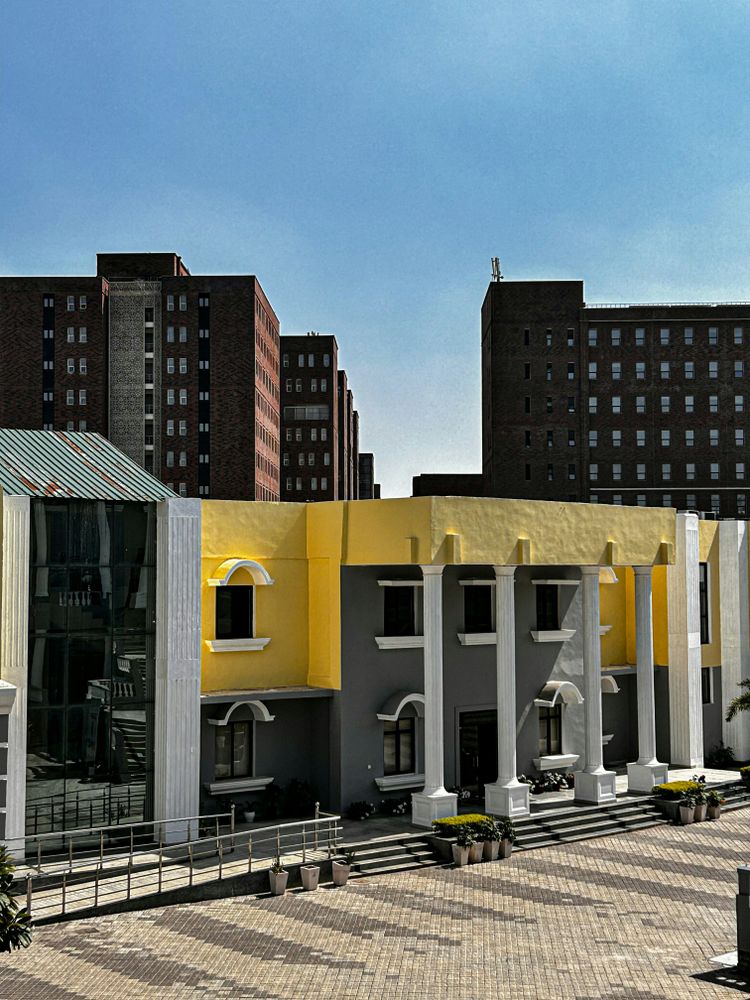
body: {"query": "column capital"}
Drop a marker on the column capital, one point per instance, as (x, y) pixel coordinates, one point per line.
(643, 570)
(590, 570)
(430, 570)
(505, 570)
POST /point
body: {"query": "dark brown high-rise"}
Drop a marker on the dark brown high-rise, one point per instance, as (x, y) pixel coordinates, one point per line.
(180, 371)
(625, 404)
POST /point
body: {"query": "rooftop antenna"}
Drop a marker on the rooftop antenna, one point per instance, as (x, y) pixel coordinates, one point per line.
(497, 274)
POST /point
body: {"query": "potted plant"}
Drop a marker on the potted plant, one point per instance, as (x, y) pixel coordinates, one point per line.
(476, 849)
(745, 775)
(507, 836)
(714, 802)
(310, 875)
(489, 833)
(343, 869)
(461, 847)
(278, 877)
(701, 805)
(247, 809)
(687, 808)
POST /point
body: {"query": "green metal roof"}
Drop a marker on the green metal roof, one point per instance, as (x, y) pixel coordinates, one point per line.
(72, 464)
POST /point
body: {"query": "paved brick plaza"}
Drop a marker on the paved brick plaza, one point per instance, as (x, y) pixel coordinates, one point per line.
(636, 916)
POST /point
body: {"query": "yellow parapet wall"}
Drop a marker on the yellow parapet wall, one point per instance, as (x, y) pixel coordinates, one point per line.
(303, 547)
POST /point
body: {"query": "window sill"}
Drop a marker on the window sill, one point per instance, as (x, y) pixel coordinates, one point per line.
(477, 638)
(555, 761)
(558, 635)
(236, 645)
(394, 782)
(604, 629)
(228, 786)
(400, 641)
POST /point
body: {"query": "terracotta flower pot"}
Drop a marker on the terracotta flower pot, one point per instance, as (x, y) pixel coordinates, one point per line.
(714, 812)
(460, 856)
(475, 852)
(341, 872)
(310, 875)
(278, 881)
(700, 812)
(491, 849)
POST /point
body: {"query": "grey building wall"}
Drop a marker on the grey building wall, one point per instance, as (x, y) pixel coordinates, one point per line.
(712, 714)
(370, 676)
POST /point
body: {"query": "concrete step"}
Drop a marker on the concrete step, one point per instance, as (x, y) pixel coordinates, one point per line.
(395, 866)
(572, 837)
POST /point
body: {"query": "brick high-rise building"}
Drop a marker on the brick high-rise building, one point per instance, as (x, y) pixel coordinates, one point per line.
(180, 371)
(320, 427)
(368, 489)
(624, 404)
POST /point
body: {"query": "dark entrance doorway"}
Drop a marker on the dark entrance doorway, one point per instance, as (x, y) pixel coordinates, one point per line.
(478, 750)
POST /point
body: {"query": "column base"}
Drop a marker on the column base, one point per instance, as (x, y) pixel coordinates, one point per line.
(435, 805)
(507, 800)
(596, 788)
(643, 777)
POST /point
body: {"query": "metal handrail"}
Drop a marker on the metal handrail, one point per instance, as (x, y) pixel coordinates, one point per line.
(282, 839)
(119, 827)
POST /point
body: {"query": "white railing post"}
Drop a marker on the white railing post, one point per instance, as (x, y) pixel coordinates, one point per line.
(190, 855)
(28, 894)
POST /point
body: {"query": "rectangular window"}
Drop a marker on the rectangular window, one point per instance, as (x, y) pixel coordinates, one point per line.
(665, 404)
(665, 436)
(399, 745)
(550, 473)
(640, 369)
(170, 428)
(689, 369)
(71, 334)
(183, 458)
(183, 303)
(399, 610)
(616, 370)
(478, 601)
(739, 436)
(739, 369)
(571, 471)
(640, 404)
(715, 503)
(690, 470)
(713, 335)
(593, 336)
(170, 459)
(714, 470)
(71, 366)
(713, 404)
(640, 439)
(233, 748)
(739, 470)
(326, 360)
(592, 370)
(571, 337)
(617, 499)
(183, 366)
(170, 397)
(664, 336)
(234, 612)
(738, 335)
(593, 498)
(204, 301)
(527, 404)
(571, 370)
(310, 360)
(703, 599)
(666, 471)
(82, 397)
(592, 404)
(688, 336)
(527, 472)
(82, 368)
(170, 303)
(183, 397)
(713, 437)
(48, 301)
(689, 404)
(664, 369)
(571, 404)
(616, 404)
(666, 500)
(183, 334)
(689, 438)
(739, 404)
(691, 502)
(616, 439)
(547, 612)
(741, 504)
(707, 687)
(70, 397)
(313, 385)
(615, 336)
(170, 366)
(81, 302)
(71, 303)
(82, 335)
(640, 471)
(550, 730)
(594, 471)
(548, 338)
(640, 500)
(593, 439)
(616, 471)
(640, 336)
(713, 369)
(170, 334)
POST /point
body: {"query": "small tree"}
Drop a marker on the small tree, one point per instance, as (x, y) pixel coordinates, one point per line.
(15, 922)
(741, 703)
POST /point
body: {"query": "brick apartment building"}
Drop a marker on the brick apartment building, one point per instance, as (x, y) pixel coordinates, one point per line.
(320, 427)
(179, 371)
(368, 488)
(626, 404)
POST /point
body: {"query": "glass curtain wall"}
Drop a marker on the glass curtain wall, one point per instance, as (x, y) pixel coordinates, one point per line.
(91, 664)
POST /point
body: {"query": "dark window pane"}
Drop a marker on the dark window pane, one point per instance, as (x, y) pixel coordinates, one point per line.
(478, 609)
(133, 669)
(46, 670)
(49, 533)
(234, 617)
(89, 671)
(89, 599)
(223, 753)
(133, 598)
(49, 600)
(703, 598)
(398, 610)
(546, 608)
(88, 533)
(133, 530)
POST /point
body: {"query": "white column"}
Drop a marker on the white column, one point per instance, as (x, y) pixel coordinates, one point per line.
(507, 796)
(683, 615)
(433, 801)
(594, 783)
(178, 663)
(14, 660)
(647, 771)
(734, 605)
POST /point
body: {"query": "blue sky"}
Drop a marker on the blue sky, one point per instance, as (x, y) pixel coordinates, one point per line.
(367, 159)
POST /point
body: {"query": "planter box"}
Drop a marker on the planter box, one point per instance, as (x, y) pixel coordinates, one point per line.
(700, 812)
(714, 812)
(278, 881)
(475, 853)
(309, 875)
(442, 846)
(460, 855)
(687, 814)
(491, 849)
(669, 808)
(341, 872)
(506, 848)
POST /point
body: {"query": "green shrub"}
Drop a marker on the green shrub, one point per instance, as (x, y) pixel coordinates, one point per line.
(675, 789)
(465, 836)
(745, 773)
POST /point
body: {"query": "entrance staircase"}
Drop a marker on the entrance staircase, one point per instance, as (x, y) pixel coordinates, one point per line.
(547, 827)
(391, 854)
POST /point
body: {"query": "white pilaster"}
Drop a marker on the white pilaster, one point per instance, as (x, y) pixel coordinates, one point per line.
(507, 796)
(14, 659)
(683, 615)
(734, 605)
(178, 646)
(433, 801)
(646, 771)
(594, 783)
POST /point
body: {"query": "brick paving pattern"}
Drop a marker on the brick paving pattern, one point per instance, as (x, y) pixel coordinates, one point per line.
(632, 917)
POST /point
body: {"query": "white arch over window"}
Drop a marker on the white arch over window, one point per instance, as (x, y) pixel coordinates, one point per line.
(609, 685)
(224, 572)
(555, 691)
(258, 708)
(397, 702)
